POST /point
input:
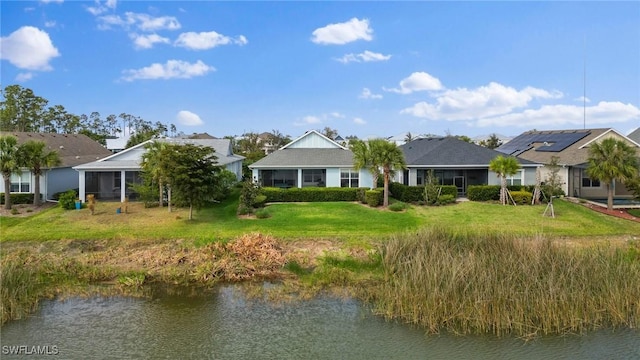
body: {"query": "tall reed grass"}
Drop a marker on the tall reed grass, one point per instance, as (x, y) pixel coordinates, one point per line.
(470, 283)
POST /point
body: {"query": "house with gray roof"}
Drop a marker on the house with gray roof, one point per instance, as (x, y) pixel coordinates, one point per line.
(311, 160)
(73, 150)
(110, 178)
(457, 162)
(571, 149)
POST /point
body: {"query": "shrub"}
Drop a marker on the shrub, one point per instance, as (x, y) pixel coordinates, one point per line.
(522, 197)
(414, 194)
(250, 191)
(259, 201)
(445, 200)
(68, 200)
(310, 194)
(263, 213)
(15, 211)
(483, 192)
(373, 197)
(398, 206)
(18, 198)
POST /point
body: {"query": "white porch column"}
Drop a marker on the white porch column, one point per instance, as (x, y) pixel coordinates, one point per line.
(81, 186)
(299, 178)
(123, 184)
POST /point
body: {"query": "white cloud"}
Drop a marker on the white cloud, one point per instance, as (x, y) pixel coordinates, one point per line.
(172, 69)
(101, 8)
(187, 118)
(24, 77)
(418, 81)
(308, 120)
(147, 41)
(207, 40)
(485, 101)
(337, 115)
(146, 22)
(51, 23)
(52, 1)
(359, 121)
(582, 99)
(366, 56)
(28, 48)
(367, 94)
(143, 22)
(342, 33)
(604, 113)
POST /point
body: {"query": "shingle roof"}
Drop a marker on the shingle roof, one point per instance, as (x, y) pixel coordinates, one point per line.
(448, 151)
(635, 135)
(301, 157)
(74, 149)
(573, 154)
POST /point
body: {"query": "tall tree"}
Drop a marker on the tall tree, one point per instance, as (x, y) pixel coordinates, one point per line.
(329, 132)
(504, 166)
(36, 156)
(612, 160)
(151, 165)
(388, 156)
(21, 109)
(9, 164)
(492, 142)
(194, 173)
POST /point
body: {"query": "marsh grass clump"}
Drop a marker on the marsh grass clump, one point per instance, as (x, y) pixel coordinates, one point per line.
(465, 282)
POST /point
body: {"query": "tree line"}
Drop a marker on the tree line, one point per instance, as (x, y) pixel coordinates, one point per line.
(22, 110)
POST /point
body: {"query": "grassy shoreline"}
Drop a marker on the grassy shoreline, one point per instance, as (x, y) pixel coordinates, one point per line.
(315, 247)
(459, 282)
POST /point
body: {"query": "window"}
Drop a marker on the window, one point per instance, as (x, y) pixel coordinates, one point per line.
(313, 177)
(515, 179)
(588, 182)
(349, 178)
(117, 179)
(21, 183)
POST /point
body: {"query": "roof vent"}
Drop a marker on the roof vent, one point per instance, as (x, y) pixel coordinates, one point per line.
(61, 146)
(545, 143)
(77, 156)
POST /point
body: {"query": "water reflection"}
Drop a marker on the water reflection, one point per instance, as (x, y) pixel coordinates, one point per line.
(224, 324)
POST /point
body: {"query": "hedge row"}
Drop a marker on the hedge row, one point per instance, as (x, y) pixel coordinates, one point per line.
(311, 194)
(21, 198)
(492, 192)
(416, 193)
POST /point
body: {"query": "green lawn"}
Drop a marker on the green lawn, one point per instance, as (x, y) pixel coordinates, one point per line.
(345, 221)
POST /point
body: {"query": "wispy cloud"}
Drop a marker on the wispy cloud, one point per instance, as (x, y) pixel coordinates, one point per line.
(50, 23)
(418, 81)
(359, 121)
(366, 56)
(140, 21)
(343, 33)
(207, 40)
(367, 94)
(172, 69)
(29, 48)
(24, 77)
(101, 7)
(147, 41)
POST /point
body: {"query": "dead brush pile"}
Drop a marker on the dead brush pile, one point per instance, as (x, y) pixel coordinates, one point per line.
(251, 256)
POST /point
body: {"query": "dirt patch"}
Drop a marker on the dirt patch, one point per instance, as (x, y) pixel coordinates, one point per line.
(25, 209)
(619, 213)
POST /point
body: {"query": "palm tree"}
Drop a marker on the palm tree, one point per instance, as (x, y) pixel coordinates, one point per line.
(612, 160)
(9, 164)
(504, 166)
(35, 156)
(151, 164)
(389, 157)
(362, 158)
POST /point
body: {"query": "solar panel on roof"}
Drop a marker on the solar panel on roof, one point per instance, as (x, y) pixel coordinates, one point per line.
(555, 142)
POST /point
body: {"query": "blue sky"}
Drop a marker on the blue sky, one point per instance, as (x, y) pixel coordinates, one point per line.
(363, 68)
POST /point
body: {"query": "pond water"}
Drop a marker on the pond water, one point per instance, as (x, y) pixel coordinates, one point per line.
(225, 324)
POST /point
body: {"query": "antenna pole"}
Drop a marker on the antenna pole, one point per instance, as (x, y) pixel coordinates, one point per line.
(584, 84)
